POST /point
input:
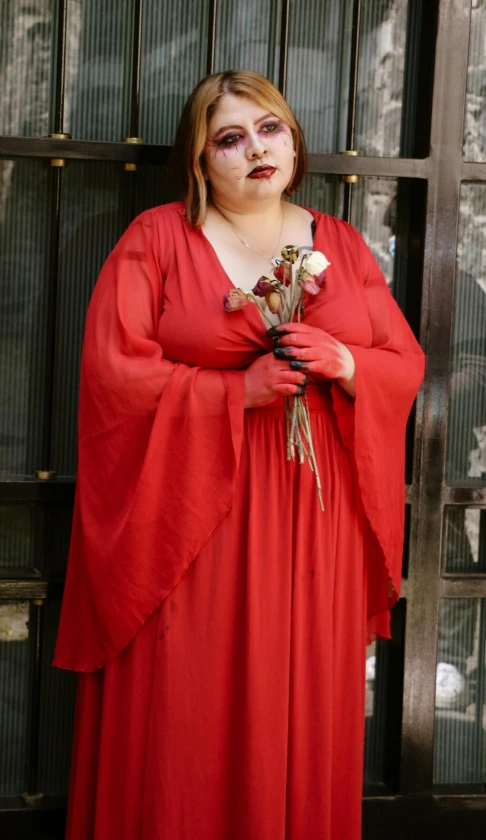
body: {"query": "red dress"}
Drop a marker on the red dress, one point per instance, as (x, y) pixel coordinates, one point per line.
(217, 616)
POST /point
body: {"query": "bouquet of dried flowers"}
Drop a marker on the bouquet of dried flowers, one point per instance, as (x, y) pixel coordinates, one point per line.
(298, 273)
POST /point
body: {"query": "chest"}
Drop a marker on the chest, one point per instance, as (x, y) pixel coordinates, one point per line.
(244, 265)
(195, 329)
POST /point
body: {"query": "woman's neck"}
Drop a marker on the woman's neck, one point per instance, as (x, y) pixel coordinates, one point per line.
(247, 220)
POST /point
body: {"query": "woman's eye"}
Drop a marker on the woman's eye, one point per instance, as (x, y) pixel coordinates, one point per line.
(229, 140)
(269, 127)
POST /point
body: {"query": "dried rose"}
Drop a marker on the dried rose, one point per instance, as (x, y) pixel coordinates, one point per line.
(263, 287)
(308, 284)
(319, 278)
(282, 274)
(234, 299)
(273, 302)
(316, 263)
(290, 253)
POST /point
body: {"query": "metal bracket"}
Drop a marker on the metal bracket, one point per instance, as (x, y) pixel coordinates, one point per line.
(32, 799)
(45, 475)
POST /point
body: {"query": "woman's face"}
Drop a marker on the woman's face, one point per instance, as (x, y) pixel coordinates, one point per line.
(249, 153)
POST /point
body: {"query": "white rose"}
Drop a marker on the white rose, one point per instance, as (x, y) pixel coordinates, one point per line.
(316, 263)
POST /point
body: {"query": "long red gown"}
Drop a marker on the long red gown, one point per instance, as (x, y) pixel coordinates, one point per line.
(217, 616)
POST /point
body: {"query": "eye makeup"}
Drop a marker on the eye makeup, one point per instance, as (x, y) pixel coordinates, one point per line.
(232, 139)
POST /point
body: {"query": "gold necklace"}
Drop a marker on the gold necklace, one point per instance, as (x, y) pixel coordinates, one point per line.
(247, 245)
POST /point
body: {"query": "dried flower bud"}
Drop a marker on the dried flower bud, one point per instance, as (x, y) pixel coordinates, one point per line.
(263, 287)
(273, 302)
(308, 284)
(234, 299)
(319, 278)
(290, 253)
(316, 263)
(282, 274)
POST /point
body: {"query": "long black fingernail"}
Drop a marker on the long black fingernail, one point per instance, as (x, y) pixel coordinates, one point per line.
(276, 332)
(301, 392)
(297, 364)
(306, 381)
(283, 353)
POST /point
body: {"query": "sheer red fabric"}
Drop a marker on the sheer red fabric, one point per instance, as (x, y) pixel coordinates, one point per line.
(223, 614)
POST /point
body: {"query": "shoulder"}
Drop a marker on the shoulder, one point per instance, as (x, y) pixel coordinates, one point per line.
(161, 216)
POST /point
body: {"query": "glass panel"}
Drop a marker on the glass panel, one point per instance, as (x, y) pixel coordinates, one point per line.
(247, 35)
(25, 204)
(318, 74)
(16, 536)
(321, 192)
(373, 214)
(373, 211)
(98, 69)
(460, 726)
(174, 39)
(57, 712)
(475, 115)
(98, 201)
(466, 441)
(465, 541)
(14, 682)
(27, 31)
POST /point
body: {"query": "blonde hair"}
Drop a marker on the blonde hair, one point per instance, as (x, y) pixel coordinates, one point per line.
(188, 151)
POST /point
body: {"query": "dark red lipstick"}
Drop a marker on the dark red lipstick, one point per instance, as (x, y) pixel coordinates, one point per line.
(262, 172)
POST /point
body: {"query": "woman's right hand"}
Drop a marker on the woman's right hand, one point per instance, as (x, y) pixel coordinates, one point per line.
(268, 378)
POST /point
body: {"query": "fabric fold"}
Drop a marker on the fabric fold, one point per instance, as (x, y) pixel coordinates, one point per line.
(159, 447)
(373, 426)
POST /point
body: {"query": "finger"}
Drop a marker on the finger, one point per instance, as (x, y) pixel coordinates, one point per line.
(305, 354)
(289, 390)
(298, 339)
(296, 326)
(293, 376)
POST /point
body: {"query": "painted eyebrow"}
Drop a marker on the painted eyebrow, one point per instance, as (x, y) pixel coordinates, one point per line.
(259, 120)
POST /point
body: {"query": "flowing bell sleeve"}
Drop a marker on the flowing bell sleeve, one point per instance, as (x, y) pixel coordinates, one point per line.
(372, 426)
(158, 456)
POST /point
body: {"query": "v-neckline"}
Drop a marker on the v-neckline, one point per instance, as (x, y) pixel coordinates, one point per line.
(225, 276)
(222, 270)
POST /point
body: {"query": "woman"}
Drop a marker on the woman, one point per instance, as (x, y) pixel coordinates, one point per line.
(218, 617)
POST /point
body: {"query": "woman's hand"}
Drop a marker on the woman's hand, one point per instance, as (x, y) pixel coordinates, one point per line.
(313, 351)
(269, 378)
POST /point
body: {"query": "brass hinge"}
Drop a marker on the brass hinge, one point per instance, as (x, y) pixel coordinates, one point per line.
(131, 167)
(59, 162)
(350, 179)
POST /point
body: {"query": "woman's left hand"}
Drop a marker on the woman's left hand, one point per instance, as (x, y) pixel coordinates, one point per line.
(315, 352)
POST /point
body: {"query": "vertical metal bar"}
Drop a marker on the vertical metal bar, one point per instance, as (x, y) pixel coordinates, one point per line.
(352, 96)
(353, 74)
(213, 9)
(272, 40)
(423, 592)
(136, 65)
(60, 66)
(37, 618)
(284, 47)
(481, 683)
(51, 321)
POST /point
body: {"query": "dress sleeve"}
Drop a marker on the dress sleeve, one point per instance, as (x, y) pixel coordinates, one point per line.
(158, 456)
(373, 426)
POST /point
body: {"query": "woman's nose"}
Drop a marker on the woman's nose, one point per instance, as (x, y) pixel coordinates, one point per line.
(256, 148)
